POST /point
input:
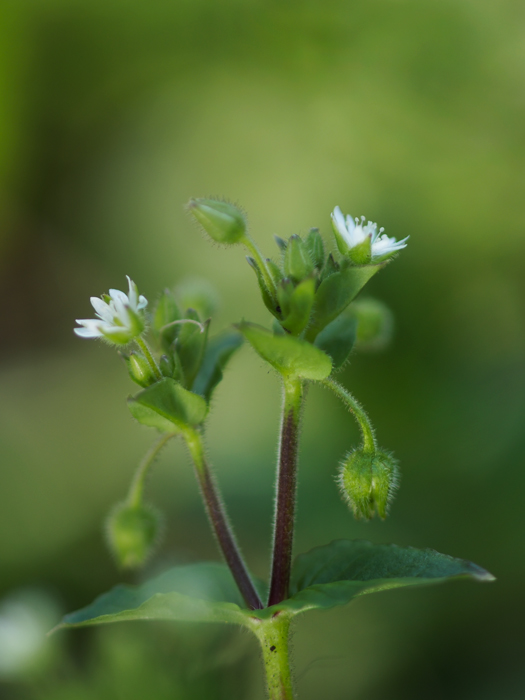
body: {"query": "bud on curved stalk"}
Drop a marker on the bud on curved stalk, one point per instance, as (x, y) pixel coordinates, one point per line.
(131, 532)
(222, 221)
(368, 481)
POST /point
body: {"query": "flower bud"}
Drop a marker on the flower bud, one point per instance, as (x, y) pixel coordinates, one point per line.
(315, 246)
(375, 324)
(131, 532)
(368, 481)
(297, 261)
(139, 369)
(222, 221)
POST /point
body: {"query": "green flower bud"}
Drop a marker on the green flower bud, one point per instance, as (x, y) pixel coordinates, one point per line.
(140, 370)
(222, 221)
(375, 324)
(297, 261)
(199, 294)
(131, 532)
(315, 246)
(368, 481)
(167, 365)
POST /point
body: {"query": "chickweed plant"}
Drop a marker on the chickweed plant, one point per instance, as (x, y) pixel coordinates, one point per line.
(170, 353)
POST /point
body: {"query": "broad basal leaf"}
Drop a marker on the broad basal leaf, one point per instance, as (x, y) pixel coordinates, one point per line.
(196, 593)
(167, 406)
(335, 573)
(289, 355)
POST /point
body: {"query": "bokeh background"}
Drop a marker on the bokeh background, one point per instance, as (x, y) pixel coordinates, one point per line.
(111, 116)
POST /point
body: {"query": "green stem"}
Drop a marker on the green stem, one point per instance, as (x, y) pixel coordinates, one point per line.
(136, 489)
(149, 357)
(273, 637)
(261, 262)
(286, 490)
(367, 431)
(219, 521)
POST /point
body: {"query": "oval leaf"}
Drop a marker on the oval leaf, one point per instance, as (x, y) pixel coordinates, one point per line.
(204, 592)
(289, 355)
(166, 406)
(219, 350)
(338, 572)
(337, 338)
(336, 292)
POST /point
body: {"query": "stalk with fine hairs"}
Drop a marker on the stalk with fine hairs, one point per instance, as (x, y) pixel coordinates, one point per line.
(219, 520)
(286, 491)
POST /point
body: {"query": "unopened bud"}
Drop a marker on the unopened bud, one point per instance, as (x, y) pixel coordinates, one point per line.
(132, 531)
(368, 481)
(139, 369)
(375, 324)
(222, 221)
(297, 261)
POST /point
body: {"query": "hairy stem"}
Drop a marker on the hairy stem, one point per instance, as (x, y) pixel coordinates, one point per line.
(367, 431)
(149, 357)
(136, 489)
(219, 520)
(273, 637)
(286, 488)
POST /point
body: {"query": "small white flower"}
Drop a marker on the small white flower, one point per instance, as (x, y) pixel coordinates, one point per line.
(354, 232)
(120, 318)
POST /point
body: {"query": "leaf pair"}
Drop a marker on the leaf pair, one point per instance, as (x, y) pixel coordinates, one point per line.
(322, 578)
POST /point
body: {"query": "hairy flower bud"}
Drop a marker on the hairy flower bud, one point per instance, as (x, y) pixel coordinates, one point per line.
(368, 481)
(139, 369)
(131, 532)
(222, 221)
(297, 261)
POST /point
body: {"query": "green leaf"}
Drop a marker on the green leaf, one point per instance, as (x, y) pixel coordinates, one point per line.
(191, 345)
(204, 592)
(338, 572)
(337, 338)
(167, 406)
(265, 294)
(336, 292)
(290, 356)
(300, 305)
(219, 350)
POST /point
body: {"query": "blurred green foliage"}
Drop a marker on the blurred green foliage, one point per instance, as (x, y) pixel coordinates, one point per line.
(112, 115)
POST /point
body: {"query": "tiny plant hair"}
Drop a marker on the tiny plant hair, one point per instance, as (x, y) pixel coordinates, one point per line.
(172, 354)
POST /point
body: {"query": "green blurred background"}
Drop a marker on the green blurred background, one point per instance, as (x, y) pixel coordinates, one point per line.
(112, 115)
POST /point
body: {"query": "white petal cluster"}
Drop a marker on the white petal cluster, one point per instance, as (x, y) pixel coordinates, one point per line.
(355, 231)
(120, 319)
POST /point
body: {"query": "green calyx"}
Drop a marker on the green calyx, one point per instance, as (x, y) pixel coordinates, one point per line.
(222, 221)
(132, 532)
(368, 481)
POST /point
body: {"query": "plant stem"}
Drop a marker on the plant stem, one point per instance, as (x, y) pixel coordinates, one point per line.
(149, 357)
(219, 520)
(136, 489)
(273, 636)
(286, 488)
(367, 431)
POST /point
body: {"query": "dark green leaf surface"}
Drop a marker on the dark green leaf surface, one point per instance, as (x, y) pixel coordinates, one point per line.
(203, 592)
(337, 338)
(219, 350)
(167, 406)
(335, 573)
(336, 292)
(290, 356)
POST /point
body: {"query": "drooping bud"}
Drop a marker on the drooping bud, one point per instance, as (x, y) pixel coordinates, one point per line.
(199, 294)
(222, 221)
(375, 324)
(368, 481)
(140, 370)
(297, 261)
(131, 532)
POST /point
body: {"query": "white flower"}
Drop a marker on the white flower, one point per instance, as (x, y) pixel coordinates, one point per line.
(120, 318)
(354, 232)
